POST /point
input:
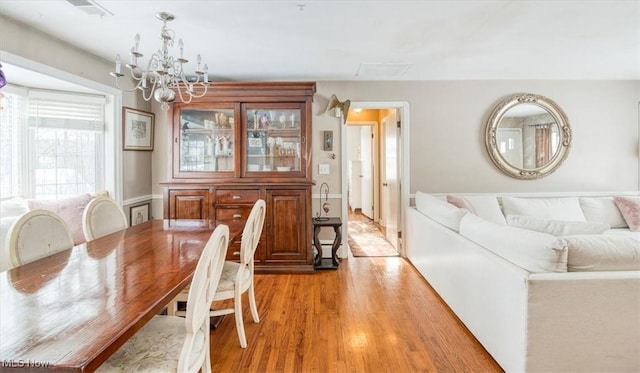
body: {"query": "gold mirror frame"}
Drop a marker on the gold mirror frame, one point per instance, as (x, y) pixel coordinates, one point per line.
(564, 131)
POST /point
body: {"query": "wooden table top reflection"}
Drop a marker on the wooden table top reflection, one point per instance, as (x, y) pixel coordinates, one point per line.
(72, 310)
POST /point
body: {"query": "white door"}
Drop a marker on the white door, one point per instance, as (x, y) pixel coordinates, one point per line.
(390, 185)
(355, 173)
(366, 184)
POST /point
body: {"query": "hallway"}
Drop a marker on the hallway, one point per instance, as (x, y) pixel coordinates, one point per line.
(366, 239)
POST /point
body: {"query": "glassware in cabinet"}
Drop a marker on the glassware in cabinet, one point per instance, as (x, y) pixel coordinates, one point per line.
(206, 141)
(274, 139)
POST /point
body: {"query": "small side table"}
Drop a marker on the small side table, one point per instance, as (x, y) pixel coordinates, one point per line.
(327, 263)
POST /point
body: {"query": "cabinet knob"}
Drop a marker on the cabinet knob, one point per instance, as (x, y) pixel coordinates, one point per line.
(236, 197)
(237, 216)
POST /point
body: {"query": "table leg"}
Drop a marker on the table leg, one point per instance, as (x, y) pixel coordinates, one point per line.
(336, 244)
(316, 242)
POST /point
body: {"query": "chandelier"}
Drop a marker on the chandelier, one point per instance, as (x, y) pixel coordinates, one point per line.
(164, 75)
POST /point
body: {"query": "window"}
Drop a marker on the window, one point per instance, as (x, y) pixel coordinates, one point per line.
(51, 144)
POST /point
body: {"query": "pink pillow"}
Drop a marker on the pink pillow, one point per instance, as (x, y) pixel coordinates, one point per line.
(630, 209)
(486, 207)
(70, 210)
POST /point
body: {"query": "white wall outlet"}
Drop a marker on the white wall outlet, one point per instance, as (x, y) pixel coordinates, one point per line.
(323, 169)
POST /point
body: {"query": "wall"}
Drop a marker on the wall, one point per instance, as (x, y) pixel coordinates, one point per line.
(447, 132)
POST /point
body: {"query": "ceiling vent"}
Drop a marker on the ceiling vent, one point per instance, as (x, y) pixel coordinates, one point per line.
(382, 70)
(90, 7)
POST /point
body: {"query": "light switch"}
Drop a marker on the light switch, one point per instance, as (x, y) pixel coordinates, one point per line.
(323, 169)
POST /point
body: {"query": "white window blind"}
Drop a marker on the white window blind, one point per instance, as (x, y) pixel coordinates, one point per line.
(68, 111)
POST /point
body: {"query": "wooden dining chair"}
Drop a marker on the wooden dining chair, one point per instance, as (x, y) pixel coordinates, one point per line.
(102, 216)
(237, 278)
(164, 344)
(35, 235)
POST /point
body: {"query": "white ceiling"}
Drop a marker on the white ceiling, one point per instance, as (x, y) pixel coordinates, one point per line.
(331, 40)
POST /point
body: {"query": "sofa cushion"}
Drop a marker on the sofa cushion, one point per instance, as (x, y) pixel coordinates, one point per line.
(70, 210)
(603, 253)
(602, 210)
(563, 208)
(5, 224)
(630, 209)
(533, 251)
(486, 207)
(13, 207)
(556, 227)
(440, 210)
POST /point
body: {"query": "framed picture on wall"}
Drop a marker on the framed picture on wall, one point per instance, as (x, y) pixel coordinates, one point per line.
(139, 214)
(327, 144)
(137, 129)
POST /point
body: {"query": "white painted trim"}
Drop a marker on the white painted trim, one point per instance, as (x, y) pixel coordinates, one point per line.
(113, 126)
(136, 200)
(331, 196)
(405, 179)
(541, 194)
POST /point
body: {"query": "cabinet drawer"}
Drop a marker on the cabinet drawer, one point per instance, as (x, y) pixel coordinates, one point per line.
(230, 214)
(237, 195)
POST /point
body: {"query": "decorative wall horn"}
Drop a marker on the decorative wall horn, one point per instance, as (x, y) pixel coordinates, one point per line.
(341, 108)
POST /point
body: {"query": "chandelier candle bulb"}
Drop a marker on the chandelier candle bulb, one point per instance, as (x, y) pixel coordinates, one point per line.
(136, 44)
(118, 64)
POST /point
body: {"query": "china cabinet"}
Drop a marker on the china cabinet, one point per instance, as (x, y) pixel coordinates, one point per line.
(239, 143)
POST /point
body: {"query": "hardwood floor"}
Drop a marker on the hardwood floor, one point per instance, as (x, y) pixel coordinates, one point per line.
(370, 315)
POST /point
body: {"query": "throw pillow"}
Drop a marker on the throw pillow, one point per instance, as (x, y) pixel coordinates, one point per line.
(70, 210)
(630, 209)
(562, 208)
(603, 253)
(533, 251)
(439, 210)
(486, 207)
(556, 227)
(602, 210)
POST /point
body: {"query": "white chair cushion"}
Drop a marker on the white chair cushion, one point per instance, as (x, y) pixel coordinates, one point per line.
(556, 227)
(486, 207)
(602, 210)
(564, 208)
(533, 251)
(157, 347)
(440, 210)
(603, 253)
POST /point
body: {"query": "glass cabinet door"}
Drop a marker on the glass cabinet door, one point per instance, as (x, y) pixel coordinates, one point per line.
(206, 141)
(273, 140)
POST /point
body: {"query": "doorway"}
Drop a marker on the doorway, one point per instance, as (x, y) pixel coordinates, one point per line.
(376, 181)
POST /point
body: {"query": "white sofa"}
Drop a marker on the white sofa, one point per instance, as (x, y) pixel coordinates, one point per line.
(529, 319)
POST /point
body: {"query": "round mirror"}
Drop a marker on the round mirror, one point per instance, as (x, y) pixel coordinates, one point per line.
(528, 136)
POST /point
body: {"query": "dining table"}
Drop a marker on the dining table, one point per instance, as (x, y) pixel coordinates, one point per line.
(72, 310)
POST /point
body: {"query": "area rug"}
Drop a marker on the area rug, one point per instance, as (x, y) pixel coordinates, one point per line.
(366, 240)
